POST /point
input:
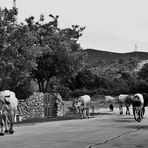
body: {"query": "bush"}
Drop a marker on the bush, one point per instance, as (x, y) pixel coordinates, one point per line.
(24, 91)
(139, 86)
(76, 93)
(63, 91)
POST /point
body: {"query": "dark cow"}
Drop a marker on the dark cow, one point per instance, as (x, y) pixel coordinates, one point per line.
(139, 102)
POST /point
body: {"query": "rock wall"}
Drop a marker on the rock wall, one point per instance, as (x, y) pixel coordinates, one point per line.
(34, 106)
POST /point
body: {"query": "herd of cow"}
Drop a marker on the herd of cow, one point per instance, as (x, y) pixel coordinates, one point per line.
(137, 101)
(9, 105)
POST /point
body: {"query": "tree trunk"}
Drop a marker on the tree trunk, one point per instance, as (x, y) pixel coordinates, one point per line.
(2, 84)
(42, 86)
(47, 85)
(39, 84)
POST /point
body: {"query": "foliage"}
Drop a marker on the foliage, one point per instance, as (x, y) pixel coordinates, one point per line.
(55, 85)
(61, 55)
(143, 73)
(37, 50)
(84, 79)
(17, 51)
(104, 58)
(53, 58)
(139, 86)
(113, 80)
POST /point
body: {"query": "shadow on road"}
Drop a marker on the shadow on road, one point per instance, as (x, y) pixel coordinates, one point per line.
(125, 119)
(143, 127)
(99, 113)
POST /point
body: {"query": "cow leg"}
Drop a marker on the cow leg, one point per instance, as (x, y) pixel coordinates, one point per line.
(87, 112)
(11, 118)
(6, 124)
(127, 110)
(120, 109)
(2, 128)
(15, 114)
(11, 131)
(81, 114)
(80, 111)
(143, 111)
(84, 112)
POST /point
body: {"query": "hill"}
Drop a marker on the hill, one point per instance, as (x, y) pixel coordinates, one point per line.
(105, 57)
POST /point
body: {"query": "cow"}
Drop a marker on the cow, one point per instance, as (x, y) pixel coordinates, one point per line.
(3, 117)
(82, 103)
(8, 111)
(124, 99)
(139, 102)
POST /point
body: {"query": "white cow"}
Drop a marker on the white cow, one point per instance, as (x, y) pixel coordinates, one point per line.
(8, 110)
(82, 103)
(124, 99)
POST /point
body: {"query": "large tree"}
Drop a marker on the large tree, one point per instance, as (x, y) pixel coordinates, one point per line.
(38, 50)
(17, 51)
(61, 55)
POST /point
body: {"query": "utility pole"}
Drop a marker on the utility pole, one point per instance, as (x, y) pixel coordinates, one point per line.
(136, 48)
(14, 3)
(14, 6)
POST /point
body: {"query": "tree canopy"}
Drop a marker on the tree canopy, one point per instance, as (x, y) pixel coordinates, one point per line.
(37, 50)
(41, 52)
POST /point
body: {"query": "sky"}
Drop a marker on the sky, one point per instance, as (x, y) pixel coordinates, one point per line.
(111, 25)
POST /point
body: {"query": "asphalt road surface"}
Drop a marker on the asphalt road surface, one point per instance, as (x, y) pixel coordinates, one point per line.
(106, 130)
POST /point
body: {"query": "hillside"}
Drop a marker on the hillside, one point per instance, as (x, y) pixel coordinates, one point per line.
(105, 57)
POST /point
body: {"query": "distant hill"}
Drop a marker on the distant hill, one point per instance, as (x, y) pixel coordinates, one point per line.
(105, 57)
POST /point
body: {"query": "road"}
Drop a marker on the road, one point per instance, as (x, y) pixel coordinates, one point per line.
(106, 130)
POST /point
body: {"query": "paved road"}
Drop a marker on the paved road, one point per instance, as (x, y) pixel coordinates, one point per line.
(108, 130)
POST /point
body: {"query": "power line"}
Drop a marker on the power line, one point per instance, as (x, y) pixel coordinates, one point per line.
(14, 3)
(14, 6)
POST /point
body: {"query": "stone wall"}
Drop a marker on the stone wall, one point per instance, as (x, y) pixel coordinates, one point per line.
(60, 111)
(33, 107)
